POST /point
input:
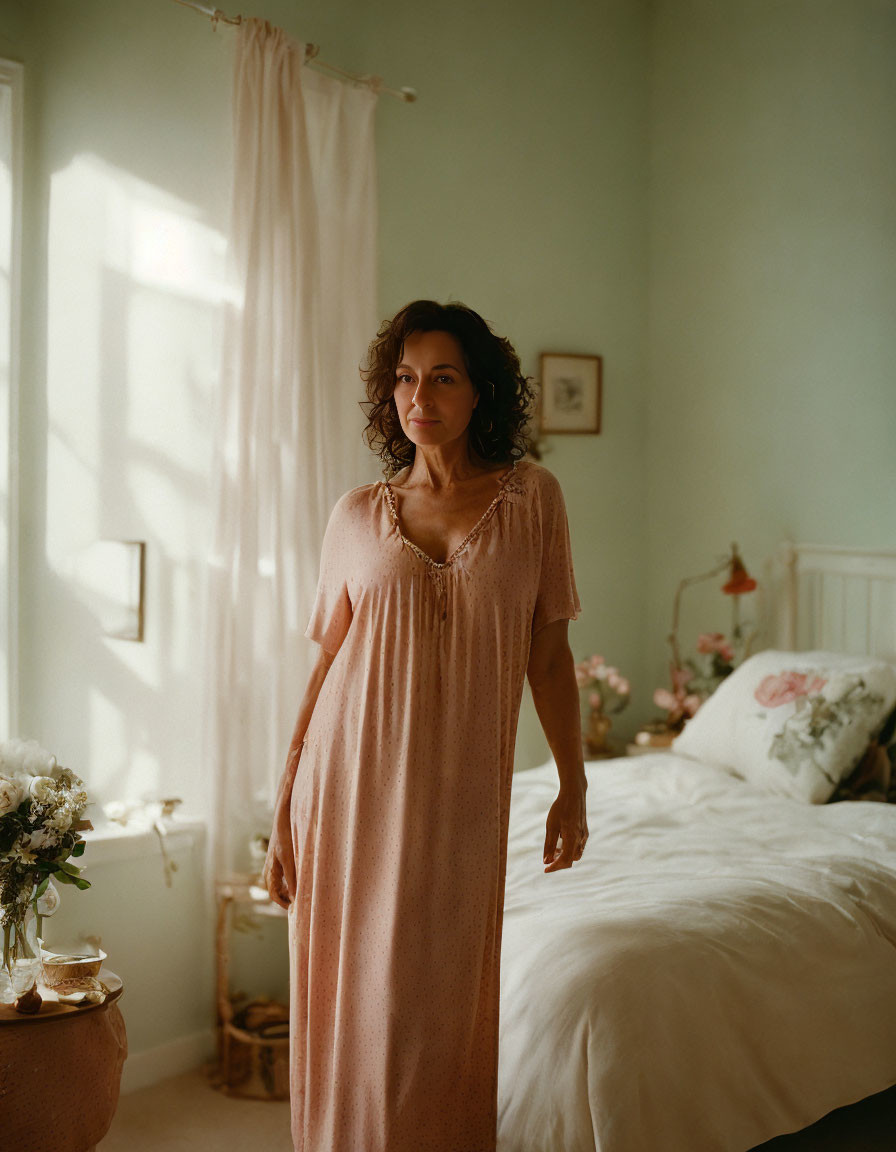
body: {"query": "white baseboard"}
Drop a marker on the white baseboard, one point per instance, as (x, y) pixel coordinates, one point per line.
(149, 1067)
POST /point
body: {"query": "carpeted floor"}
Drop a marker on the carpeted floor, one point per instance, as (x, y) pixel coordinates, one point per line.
(185, 1114)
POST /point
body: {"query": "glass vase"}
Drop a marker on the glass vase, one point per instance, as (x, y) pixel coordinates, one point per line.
(21, 966)
(599, 724)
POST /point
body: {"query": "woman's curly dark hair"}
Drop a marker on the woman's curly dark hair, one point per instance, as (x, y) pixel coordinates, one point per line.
(498, 425)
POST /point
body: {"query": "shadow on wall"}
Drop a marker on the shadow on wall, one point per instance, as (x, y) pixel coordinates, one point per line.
(136, 287)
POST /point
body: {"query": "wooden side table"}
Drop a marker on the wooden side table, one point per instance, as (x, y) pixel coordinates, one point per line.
(60, 1072)
(653, 737)
(252, 1061)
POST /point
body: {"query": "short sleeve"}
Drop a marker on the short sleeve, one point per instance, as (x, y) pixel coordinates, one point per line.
(557, 597)
(332, 611)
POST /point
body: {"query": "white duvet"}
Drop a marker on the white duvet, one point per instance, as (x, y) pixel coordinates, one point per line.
(720, 967)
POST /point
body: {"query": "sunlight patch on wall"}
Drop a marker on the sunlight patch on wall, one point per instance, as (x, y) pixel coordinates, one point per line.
(136, 287)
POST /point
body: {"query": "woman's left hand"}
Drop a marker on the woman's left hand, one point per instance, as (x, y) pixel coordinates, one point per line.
(567, 822)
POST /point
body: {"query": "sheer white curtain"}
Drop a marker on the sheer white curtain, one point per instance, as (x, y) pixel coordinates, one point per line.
(288, 433)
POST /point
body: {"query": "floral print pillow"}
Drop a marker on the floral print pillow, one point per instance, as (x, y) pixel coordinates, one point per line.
(794, 723)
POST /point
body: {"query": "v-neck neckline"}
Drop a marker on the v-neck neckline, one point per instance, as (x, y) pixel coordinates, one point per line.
(470, 536)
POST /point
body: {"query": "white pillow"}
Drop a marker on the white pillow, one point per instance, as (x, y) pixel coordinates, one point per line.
(794, 723)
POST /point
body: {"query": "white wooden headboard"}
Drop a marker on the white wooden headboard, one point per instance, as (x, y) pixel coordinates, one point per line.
(837, 599)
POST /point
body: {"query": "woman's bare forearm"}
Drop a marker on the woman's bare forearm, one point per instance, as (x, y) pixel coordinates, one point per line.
(306, 708)
(552, 678)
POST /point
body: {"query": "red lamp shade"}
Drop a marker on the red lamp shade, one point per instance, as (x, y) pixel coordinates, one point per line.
(739, 579)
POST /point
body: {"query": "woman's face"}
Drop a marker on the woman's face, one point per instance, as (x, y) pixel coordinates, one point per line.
(434, 395)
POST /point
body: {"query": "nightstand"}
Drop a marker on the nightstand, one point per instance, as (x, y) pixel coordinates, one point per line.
(89, 1044)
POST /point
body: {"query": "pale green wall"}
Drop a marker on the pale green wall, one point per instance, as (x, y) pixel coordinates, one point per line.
(12, 31)
(772, 397)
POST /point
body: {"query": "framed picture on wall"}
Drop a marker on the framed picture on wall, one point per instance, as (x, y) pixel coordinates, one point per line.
(111, 581)
(570, 396)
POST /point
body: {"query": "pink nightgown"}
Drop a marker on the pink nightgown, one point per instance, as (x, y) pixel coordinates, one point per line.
(399, 818)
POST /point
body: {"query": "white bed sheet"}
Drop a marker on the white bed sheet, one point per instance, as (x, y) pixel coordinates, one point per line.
(720, 967)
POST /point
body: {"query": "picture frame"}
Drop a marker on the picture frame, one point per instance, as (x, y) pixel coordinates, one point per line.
(111, 576)
(571, 394)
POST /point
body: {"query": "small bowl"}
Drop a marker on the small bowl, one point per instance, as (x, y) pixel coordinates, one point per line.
(60, 966)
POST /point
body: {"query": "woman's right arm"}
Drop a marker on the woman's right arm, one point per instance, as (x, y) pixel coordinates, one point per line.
(280, 865)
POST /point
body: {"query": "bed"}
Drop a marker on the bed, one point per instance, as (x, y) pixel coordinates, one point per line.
(719, 968)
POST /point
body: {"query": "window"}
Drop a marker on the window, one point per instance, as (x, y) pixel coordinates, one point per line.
(11, 75)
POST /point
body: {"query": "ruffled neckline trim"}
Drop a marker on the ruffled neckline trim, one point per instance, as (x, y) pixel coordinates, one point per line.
(506, 483)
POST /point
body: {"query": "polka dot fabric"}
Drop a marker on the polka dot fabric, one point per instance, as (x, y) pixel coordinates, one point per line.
(399, 818)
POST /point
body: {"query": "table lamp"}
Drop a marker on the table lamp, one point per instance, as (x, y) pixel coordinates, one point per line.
(738, 583)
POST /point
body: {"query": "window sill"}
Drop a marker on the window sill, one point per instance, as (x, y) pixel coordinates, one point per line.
(111, 843)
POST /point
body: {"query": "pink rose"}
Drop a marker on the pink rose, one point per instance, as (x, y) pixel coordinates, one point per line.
(595, 701)
(663, 698)
(678, 703)
(594, 663)
(680, 677)
(773, 691)
(622, 686)
(709, 642)
(582, 675)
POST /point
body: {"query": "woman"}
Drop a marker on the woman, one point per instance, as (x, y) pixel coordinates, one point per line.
(440, 590)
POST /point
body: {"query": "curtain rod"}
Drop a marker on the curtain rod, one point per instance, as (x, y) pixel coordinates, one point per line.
(311, 50)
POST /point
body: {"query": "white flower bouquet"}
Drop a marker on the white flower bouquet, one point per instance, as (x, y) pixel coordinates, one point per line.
(41, 809)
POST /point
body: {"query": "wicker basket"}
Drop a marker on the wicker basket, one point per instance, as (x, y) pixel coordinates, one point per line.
(253, 1058)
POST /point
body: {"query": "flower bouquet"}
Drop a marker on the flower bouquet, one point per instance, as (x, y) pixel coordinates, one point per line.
(695, 679)
(41, 809)
(607, 692)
